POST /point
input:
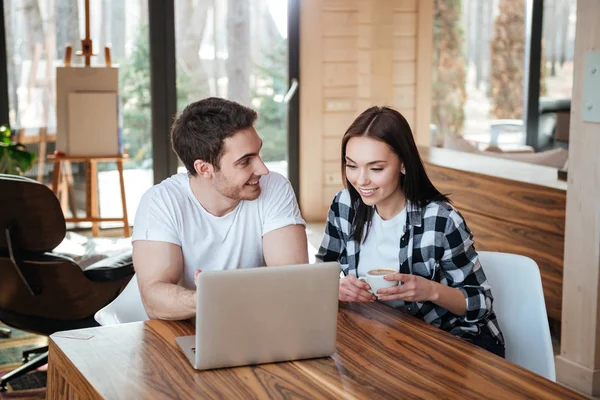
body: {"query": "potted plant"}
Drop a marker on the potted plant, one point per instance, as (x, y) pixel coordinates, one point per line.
(14, 158)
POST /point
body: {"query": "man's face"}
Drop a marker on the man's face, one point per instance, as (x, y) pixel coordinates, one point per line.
(240, 166)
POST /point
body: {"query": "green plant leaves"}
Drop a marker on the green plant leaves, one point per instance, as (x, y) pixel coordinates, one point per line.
(14, 157)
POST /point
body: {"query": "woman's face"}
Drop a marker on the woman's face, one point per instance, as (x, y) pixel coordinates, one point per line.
(373, 169)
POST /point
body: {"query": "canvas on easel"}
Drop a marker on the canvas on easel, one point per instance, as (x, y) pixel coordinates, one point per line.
(91, 128)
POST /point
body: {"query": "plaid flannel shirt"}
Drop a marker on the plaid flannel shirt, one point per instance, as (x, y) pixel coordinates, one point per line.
(437, 245)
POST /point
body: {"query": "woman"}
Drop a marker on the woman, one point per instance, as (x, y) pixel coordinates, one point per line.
(393, 217)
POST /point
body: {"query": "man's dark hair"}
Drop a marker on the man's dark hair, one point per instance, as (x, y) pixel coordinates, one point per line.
(199, 131)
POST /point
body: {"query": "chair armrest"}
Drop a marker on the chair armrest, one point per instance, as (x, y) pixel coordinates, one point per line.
(112, 268)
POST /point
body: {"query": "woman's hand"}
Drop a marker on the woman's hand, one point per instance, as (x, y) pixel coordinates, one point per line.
(355, 290)
(413, 288)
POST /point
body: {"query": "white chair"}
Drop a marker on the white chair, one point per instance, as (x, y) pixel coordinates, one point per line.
(519, 305)
(127, 307)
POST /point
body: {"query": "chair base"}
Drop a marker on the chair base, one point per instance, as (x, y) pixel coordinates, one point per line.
(5, 333)
(29, 352)
(23, 369)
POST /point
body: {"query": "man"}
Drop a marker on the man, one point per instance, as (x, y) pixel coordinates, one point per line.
(226, 212)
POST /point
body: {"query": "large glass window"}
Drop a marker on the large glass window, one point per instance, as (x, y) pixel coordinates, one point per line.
(237, 49)
(37, 32)
(479, 66)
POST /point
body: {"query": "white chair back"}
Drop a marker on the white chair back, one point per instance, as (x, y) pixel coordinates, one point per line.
(519, 305)
(127, 307)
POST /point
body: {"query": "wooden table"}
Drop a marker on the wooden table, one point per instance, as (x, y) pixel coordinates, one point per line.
(381, 354)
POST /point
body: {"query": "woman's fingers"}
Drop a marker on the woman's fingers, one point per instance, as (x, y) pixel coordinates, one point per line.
(353, 290)
(402, 292)
(361, 294)
(353, 280)
(349, 295)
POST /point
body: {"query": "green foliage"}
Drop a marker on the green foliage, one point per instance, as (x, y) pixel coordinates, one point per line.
(136, 100)
(14, 158)
(272, 122)
(449, 70)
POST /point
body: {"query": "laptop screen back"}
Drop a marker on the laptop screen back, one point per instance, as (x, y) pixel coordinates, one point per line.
(267, 314)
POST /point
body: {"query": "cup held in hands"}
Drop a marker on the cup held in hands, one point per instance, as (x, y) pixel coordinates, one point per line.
(375, 279)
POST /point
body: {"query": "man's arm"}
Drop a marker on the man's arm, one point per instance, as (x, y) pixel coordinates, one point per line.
(286, 246)
(159, 266)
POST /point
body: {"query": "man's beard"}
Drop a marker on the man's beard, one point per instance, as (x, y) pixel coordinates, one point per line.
(225, 189)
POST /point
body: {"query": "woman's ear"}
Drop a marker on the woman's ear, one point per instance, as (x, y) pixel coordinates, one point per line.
(402, 169)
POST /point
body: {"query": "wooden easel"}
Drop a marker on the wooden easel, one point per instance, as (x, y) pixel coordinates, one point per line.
(91, 184)
(61, 180)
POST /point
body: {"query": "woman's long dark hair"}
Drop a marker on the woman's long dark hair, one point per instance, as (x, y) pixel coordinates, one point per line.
(390, 127)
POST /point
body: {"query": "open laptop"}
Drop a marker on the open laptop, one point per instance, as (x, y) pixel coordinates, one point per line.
(261, 315)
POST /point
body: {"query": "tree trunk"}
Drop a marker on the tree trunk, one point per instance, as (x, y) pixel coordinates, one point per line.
(238, 50)
(144, 12)
(507, 54)
(564, 31)
(117, 33)
(216, 46)
(14, 74)
(105, 28)
(478, 58)
(487, 36)
(551, 29)
(35, 26)
(448, 70)
(67, 26)
(190, 17)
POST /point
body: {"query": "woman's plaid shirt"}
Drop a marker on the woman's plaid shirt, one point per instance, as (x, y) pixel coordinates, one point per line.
(437, 245)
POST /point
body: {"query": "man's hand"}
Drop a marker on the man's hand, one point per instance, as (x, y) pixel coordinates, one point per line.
(413, 288)
(354, 290)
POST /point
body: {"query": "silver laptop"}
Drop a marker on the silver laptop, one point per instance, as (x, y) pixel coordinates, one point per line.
(261, 315)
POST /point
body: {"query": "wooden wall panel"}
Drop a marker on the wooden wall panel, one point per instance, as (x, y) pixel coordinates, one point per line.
(339, 49)
(520, 203)
(404, 73)
(339, 74)
(405, 5)
(354, 54)
(491, 234)
(336, 124)
(404, 96)
(405, 24)
(339, 23)
(405, 49)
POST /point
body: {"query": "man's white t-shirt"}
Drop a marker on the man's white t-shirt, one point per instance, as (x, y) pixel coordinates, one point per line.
(169, 212)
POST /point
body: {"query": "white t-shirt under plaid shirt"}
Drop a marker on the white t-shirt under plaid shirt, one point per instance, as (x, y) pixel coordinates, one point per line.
(380, 248)
(436, 244)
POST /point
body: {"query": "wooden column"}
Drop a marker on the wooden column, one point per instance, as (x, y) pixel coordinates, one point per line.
(424, 73)
(578, 365)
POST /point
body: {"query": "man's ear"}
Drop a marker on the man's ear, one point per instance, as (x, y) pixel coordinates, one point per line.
(203, 169)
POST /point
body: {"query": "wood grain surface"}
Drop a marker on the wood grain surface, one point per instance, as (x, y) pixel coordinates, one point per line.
(510, 207)
(381, 354)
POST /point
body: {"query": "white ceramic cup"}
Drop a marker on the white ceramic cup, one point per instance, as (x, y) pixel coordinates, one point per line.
(375, 279)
